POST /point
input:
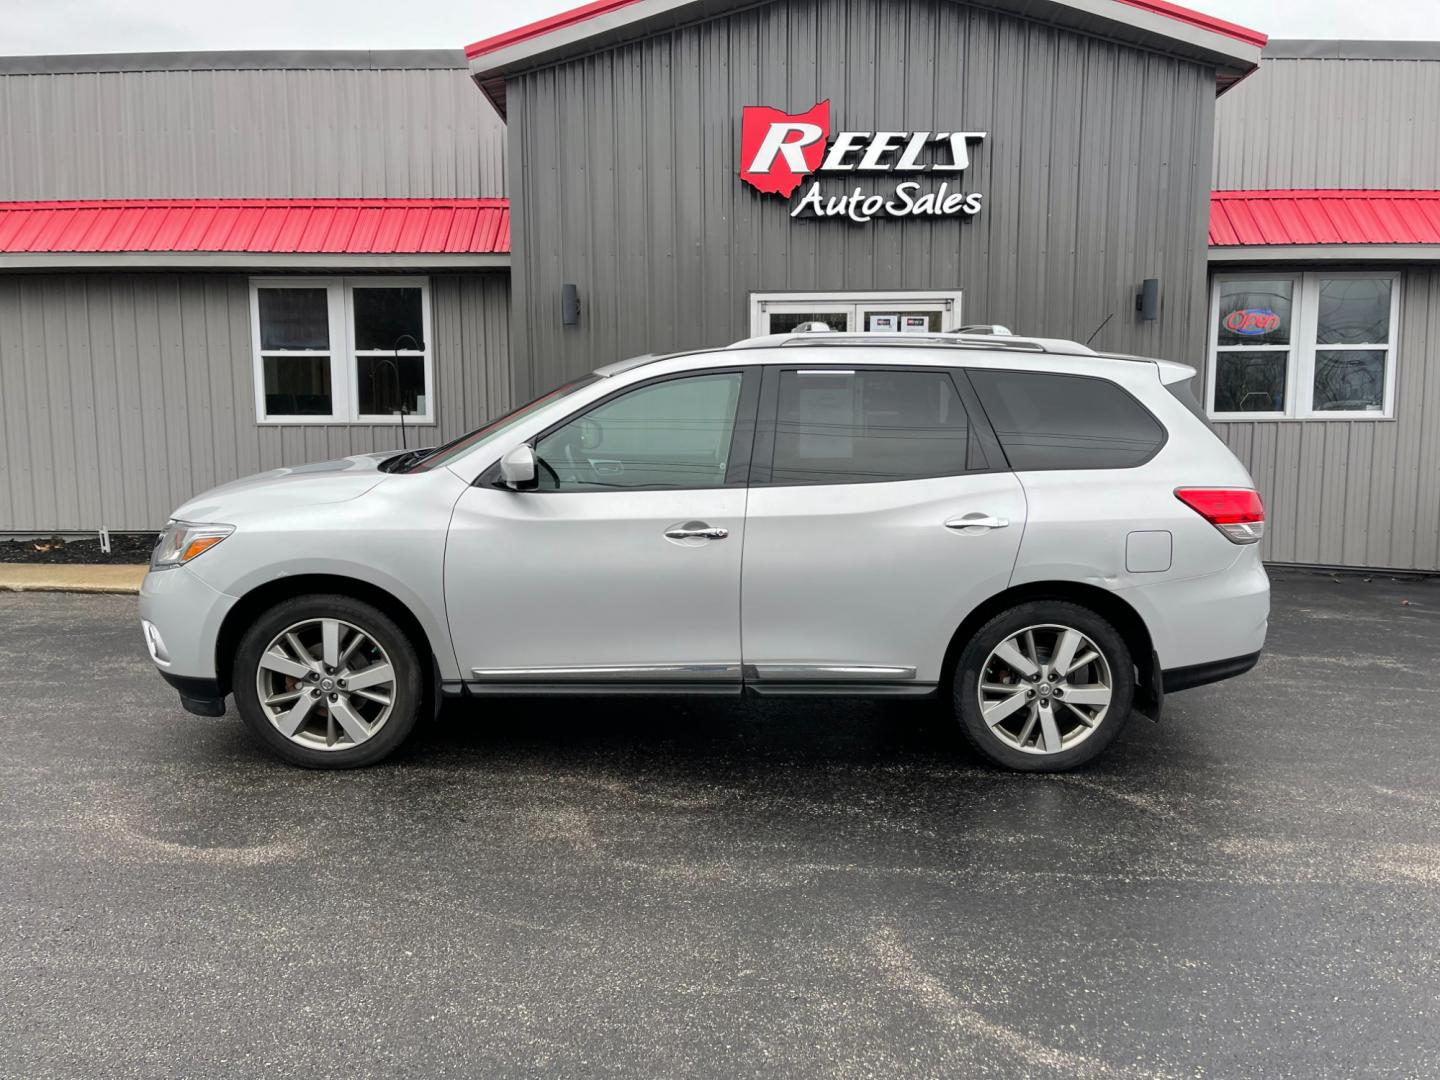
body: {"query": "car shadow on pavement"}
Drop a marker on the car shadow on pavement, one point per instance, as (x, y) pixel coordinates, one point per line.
(833, 731)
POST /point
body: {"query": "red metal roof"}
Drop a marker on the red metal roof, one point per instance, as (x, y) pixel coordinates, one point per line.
(263, 226)
(1264, 218)
(541, 27)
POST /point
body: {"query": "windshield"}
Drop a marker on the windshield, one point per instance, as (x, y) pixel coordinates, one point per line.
(456, 448)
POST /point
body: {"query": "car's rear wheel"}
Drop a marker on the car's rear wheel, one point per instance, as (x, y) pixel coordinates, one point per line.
(1044, 687)
(327, 682)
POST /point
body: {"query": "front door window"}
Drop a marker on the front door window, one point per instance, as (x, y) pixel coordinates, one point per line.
(670, 434)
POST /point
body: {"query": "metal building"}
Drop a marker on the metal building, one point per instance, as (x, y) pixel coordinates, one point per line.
(149, 200)
(1327, 212)
(212, 264)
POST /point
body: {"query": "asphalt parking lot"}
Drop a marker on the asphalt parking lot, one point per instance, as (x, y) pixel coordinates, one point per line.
(1251, 887)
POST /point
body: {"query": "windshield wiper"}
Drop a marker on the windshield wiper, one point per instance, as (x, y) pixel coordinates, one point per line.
(409, 458)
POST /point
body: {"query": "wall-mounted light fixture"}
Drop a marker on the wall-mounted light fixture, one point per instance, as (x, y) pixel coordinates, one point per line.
(1147, 300)
(569, 305)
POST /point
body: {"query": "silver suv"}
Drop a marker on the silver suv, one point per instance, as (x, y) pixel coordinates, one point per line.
(1045, 537)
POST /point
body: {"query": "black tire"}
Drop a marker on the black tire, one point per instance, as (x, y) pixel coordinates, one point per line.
(1037, 613)
(408, 683)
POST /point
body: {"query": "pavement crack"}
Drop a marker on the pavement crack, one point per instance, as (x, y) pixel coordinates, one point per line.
(903, 973)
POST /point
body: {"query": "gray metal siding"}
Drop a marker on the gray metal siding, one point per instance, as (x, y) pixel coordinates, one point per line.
(1359, 492)
(335, 132)
(1347, 115)
(624, 179)
(122, 395)
(1331, 122)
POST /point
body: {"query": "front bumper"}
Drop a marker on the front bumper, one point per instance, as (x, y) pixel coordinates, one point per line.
(203, 697)
(181, 617)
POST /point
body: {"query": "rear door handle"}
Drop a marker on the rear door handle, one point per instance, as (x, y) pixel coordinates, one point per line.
(696, 530)
(976, 521)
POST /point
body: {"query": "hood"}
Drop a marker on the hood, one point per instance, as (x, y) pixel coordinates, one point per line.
(304, 485)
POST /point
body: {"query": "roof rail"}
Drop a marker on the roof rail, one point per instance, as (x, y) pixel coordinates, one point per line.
(984, 328)
(950, 339)
(945, 338)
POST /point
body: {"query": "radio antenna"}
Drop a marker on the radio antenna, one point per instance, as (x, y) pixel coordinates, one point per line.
(1093, 336)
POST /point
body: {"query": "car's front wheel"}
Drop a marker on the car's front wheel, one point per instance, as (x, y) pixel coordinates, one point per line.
(1044, 686)
(327, 682)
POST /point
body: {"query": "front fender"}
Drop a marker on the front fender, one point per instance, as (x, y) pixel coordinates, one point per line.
(392, 538)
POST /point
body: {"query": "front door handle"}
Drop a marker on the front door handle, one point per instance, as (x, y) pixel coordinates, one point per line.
(696, 530)
(976, 521)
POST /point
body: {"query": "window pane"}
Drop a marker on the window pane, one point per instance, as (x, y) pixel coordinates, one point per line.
(783, 322)
(384, 316)
(380, 378)
(903, 322)
(297, 386)
(673, 434)
(1350, 380)
(869, 426)
(1255, 312)
(1066, 421)
(1354, 311)
(1250, 382)
(294, 319)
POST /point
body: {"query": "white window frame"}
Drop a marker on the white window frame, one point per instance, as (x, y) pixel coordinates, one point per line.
(854, 304)
(1304, 328)
(344, 386)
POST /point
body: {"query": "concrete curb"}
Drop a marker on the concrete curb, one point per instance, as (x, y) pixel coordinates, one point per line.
(81, 578)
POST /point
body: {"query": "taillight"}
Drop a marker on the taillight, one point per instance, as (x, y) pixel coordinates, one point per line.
(1236, 512)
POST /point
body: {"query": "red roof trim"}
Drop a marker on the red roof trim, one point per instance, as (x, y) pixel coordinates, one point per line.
(1273, 218)
(1201, 20)
(261, 226)
(541, 27)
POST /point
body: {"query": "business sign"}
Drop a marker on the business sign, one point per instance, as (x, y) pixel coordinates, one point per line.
(1252, 322)
(780, 151)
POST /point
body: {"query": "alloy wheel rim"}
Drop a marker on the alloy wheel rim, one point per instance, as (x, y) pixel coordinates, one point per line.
(326, 684)
(1045, 689)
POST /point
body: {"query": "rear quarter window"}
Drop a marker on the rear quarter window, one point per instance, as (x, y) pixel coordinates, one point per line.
(1049, 421)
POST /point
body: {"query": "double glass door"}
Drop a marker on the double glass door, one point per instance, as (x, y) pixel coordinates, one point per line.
(889, 313)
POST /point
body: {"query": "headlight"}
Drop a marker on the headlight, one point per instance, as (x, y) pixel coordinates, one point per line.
(184, 540)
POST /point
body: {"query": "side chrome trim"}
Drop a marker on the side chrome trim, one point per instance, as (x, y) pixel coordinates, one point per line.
(612, 688)
(844, 688)
(828, 672)
(649, 673)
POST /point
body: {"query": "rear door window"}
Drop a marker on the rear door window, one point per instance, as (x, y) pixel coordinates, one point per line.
(1051, 421)
(868, 426)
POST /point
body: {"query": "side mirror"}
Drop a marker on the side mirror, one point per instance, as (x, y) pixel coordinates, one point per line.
(517, 468)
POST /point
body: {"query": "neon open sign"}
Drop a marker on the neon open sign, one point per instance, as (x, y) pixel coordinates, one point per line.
(1252, 322)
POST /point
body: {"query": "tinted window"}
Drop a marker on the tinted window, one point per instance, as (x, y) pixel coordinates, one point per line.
(865, 426)
(294, 319)
(672, 434)
(388, 319)
(1066, 421)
